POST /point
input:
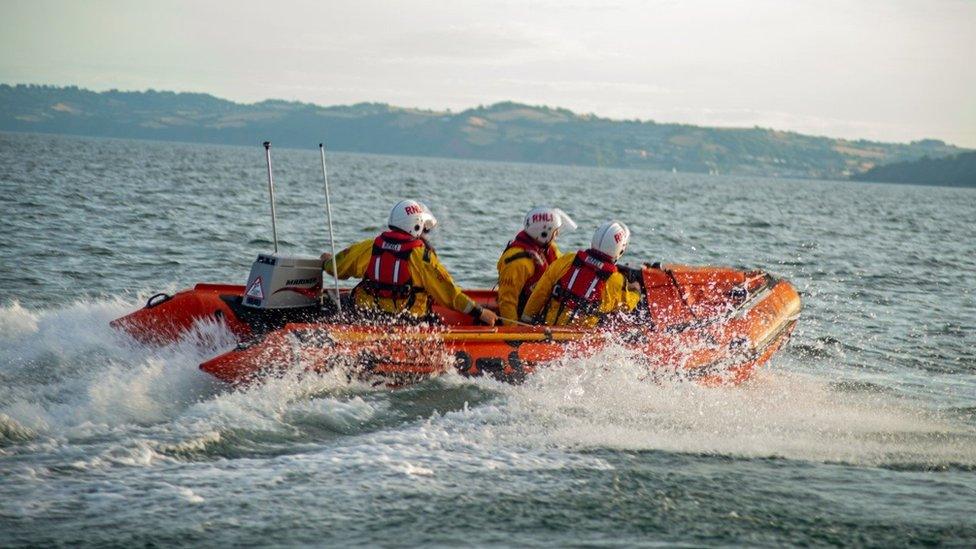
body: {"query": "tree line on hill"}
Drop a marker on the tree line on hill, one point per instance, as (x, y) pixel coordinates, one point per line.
(504, 131)
(953, 171)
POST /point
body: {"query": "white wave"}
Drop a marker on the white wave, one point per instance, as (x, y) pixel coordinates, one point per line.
(15, 322)
(603, 402)
(27, 335)
(69, 373)
(271, 405)
(70, 377)
(189, 495)
(12, 430)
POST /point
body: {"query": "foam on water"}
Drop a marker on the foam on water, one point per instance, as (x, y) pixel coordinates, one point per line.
(103, 441)
(69, 374)
(71, 379)
(603, 402)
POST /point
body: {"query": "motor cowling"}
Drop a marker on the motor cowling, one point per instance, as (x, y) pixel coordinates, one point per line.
(283, 282)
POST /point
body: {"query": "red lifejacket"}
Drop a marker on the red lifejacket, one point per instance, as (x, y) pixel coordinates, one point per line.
(388, 272)
(581, 288)
(541, 257)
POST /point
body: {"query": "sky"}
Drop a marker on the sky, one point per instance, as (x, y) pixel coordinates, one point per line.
(892, 70)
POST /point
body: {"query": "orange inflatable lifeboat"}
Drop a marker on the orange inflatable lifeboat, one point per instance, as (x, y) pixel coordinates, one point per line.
(711, 324)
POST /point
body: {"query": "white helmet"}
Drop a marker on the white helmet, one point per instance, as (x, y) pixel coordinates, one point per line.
(542, 223)
(611, 238)
(412, 217)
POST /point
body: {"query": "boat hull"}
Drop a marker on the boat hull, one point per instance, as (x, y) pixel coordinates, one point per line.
(712, 325)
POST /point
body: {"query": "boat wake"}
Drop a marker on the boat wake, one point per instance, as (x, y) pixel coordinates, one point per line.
(75, 392)
(778, 414)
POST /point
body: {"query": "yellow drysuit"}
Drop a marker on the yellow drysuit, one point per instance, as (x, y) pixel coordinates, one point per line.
(427, 274)
(615, 297)
(516, 267)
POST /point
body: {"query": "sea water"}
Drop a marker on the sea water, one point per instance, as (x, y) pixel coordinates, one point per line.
(862, 431)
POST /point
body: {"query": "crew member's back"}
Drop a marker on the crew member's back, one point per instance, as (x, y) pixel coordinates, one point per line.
(526, 257)
(583, 288)
(400, 272)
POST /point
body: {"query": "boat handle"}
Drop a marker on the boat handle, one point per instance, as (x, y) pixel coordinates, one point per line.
(154, 300)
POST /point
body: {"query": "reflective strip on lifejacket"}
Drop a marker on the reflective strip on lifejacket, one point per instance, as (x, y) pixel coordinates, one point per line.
(572, 279)
(591, 270)
(589, 291)
(391, 279)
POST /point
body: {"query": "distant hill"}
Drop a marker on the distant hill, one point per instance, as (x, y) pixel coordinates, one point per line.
(504, 131)
(956, 171)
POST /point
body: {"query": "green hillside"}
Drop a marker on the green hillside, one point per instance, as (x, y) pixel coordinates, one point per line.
(504, 131)
(956, 171)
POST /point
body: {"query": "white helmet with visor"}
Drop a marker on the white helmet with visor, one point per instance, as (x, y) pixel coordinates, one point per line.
(412, 217)
(543, 223)
(611, 239)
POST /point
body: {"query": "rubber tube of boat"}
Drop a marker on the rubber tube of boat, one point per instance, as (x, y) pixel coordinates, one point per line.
(328, 214)
(274, 219)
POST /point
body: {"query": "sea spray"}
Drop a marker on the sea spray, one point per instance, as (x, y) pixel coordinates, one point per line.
(879, 372)
(605, 401)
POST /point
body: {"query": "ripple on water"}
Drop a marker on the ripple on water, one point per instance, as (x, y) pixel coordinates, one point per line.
(861, 432)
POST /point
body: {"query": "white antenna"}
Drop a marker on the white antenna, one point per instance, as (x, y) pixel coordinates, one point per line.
(328, 211)
(274, 219)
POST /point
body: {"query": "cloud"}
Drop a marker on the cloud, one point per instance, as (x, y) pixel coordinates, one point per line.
(887, 69)
(453, 43)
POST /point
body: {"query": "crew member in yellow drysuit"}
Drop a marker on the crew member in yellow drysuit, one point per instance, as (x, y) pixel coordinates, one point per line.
(400, 273)
(525, 259)
(580, 289)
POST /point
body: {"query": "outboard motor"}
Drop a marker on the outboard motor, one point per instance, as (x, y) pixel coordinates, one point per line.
(283, 282)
